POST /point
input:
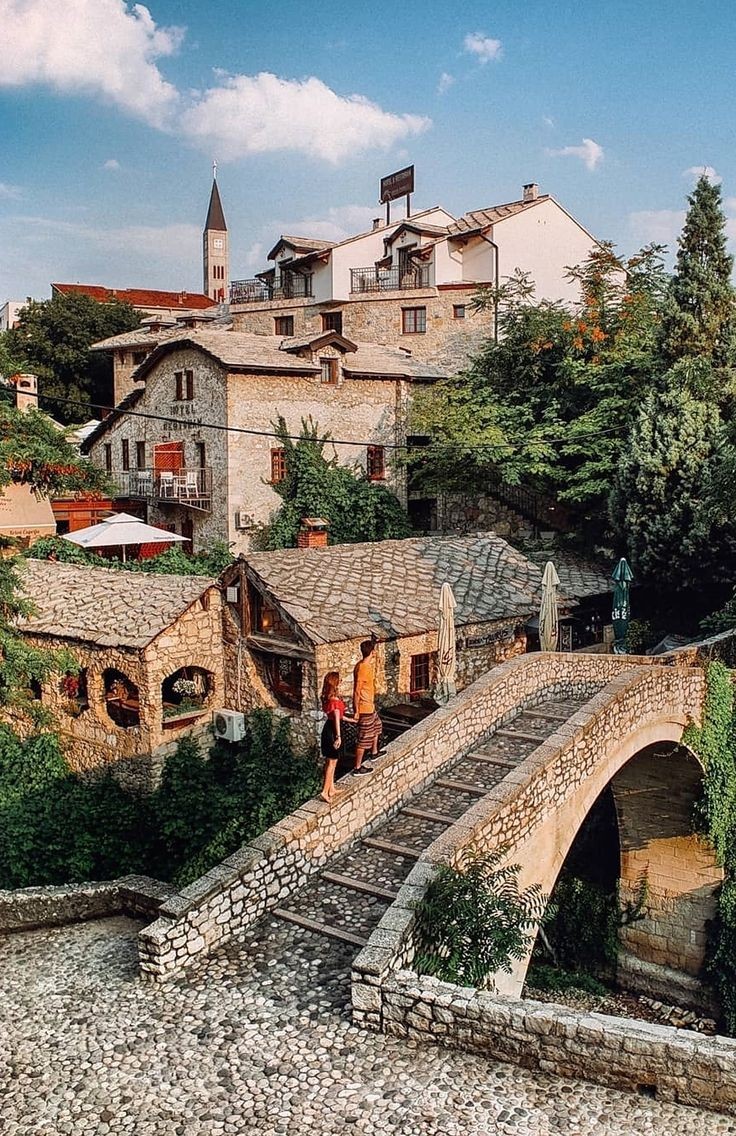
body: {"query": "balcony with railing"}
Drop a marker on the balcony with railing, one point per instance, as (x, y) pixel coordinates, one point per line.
(291, 286)
(373, 279)
(191, 487)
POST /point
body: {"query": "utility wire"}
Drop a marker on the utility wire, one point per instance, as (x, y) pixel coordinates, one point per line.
(200, 424)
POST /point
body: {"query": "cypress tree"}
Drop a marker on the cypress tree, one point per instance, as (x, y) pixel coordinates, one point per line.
(700, 316)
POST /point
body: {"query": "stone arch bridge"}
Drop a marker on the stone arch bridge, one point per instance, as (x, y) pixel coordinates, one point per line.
(518, 759)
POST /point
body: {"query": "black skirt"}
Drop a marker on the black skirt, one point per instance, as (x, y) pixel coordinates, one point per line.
(327, 742)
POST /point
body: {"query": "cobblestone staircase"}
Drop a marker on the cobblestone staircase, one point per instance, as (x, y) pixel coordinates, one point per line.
(347, 899)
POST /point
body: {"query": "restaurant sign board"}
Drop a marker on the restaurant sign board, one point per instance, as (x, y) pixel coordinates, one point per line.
(398, 184)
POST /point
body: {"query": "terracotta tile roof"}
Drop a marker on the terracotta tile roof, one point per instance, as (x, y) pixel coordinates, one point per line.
(105, 606)
(393, 587)
(139, 297)
(479, 219)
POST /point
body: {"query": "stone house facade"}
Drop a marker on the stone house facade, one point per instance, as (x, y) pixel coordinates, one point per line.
(410, 283)
(150, 652)
(294, 615)
(195, 440)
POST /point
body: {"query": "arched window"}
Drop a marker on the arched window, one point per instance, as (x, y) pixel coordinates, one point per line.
(185, 694)
(121, 699)
(73, 690)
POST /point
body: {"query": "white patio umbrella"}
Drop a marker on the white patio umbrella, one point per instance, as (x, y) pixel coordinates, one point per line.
(119, 531)
(549, 623)
(445, 686)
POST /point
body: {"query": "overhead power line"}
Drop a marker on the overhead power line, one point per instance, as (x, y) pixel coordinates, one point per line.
(201, 424)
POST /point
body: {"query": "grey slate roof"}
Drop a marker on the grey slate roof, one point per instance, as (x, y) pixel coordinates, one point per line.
(105, 606)
(578, 578)
(393, 587)
(479, 219)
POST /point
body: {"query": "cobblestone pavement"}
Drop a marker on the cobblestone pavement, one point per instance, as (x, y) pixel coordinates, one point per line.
(257, 1040)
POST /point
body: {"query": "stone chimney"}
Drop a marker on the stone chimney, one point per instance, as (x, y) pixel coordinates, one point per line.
(530, 192)
(376, 223)
(26, 391)
(313, 533)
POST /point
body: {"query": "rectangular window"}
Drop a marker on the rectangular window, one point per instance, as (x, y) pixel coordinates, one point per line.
(184, 385)
(413, 321)
(278, 465)
(458, 311)
(126, 454)
(332, 321)
(108, 458)
(283, 325)
(140, 455)
(419, 680)
(329, 370)
(375, 466)
(201, 454)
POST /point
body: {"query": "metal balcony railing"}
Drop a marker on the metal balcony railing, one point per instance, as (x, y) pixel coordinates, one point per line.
(192, 487)
(374, 279)
(291, 286)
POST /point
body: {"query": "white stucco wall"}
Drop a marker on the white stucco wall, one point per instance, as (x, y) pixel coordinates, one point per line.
(543, 241)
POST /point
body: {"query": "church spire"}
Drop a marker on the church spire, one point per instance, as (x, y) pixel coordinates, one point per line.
(215, 247)
(215, 216)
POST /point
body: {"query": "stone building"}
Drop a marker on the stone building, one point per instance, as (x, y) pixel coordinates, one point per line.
(150, 650)
(206, 460)
(294, 615)
(411, 282)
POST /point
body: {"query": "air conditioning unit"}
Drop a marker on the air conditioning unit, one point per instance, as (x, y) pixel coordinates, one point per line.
(229, 725)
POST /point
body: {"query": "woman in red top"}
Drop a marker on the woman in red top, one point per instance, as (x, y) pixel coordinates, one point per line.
(331, 742)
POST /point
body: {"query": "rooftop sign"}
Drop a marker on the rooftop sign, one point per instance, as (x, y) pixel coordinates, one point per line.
(399, 184)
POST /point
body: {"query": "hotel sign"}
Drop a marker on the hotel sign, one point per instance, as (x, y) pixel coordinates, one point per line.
(399, 184)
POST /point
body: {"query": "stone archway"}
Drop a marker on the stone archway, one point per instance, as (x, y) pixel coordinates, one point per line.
(681, 871)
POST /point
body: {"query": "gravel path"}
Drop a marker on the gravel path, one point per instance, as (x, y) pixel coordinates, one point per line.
(256, 1040)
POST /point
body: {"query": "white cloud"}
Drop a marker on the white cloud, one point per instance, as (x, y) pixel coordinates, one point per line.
(445, 82)
(257, 114)
(483, 47)
(695, 172)
(10, 192)
(335, 224)
(111, 164)
(590, 153)
(256, 255)
(660, 225)
(730, 204)
(100, 47)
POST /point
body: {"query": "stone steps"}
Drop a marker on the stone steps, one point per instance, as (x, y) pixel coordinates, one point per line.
(346, 901)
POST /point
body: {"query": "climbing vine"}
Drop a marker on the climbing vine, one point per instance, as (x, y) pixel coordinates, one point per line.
(714, 742)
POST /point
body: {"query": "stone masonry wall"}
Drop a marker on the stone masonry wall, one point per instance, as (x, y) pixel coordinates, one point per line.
(25, 908)
(262, 873)
(675, 1064)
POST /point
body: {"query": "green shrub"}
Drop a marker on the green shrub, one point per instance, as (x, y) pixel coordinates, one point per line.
(542, 976)
(474, 920)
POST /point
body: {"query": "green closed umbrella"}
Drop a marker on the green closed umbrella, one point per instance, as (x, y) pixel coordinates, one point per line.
(622, 576)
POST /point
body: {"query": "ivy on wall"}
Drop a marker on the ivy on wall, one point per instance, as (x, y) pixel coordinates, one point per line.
(714, 742)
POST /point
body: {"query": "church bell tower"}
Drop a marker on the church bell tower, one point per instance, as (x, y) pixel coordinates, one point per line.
(215, 258)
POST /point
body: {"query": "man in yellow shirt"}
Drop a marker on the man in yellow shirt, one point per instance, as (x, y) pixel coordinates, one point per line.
(364, 706)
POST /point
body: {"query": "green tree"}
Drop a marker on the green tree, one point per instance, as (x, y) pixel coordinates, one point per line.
(700, 316)
(52, 340)
(661, 503)
(316, 486)
(549, 403)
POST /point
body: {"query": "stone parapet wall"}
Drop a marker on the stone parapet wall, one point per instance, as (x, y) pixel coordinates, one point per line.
(25, 908)
(537, 809)
(673, 1064)
(260, 875)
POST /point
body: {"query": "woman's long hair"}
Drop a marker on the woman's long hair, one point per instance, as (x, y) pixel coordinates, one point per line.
(330, 687)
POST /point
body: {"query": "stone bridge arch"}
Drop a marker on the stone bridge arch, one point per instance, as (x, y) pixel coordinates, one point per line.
(628, 736)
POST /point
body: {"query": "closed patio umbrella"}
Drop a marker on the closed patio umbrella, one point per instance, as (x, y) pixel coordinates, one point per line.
(621, 613)
(549, 622)
(445, 686)
(119, 531)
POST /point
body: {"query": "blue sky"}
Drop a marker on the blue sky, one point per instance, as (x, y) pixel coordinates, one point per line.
(112, 112)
